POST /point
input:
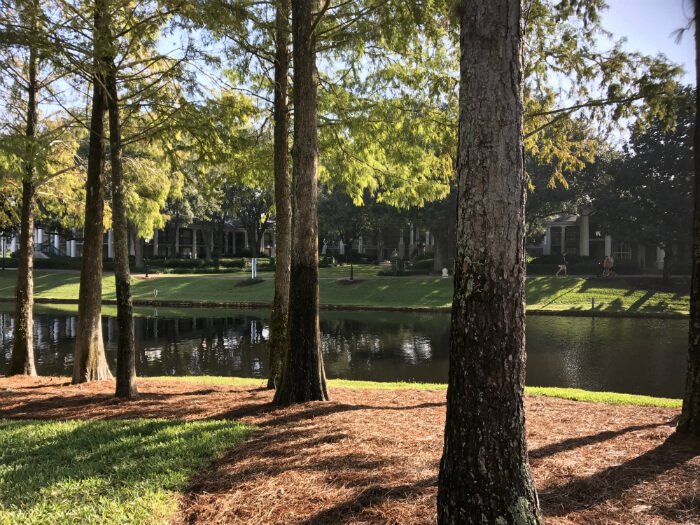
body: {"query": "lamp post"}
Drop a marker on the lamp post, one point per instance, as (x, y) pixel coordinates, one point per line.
(352, 275)
(4, 249)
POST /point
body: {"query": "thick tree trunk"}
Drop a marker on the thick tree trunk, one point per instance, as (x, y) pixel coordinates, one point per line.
(279, 337)
(126, 347)
(23, 343)
(303, 376)
(689, 422)
(484, 472)
(90, 363)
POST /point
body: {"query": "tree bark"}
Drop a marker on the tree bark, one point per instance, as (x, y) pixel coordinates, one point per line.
(23, 343)
(279, 337)
(303, 376)
(90, 363)
(484, 472)
(689, 422)
(126, 347)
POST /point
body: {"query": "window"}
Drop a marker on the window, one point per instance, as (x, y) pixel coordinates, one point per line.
(622, 252)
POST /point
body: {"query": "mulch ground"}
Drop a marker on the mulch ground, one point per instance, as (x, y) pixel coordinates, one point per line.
(371, 457)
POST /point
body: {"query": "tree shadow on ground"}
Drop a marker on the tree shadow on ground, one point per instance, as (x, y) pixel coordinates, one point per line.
(574, 443)
(582, 493)
(91, 463)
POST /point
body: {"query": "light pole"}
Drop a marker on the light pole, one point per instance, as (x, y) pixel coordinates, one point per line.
(4, 249)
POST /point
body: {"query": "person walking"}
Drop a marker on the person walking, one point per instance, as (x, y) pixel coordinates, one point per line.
(562, 265)
(606, 266)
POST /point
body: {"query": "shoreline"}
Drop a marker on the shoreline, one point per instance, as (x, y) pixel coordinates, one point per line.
(355, 308)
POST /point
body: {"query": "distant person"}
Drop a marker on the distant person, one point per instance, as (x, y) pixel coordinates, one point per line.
(606, 266)
(611, 272)
(562, 265)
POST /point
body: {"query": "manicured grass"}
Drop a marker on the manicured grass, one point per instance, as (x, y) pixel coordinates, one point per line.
(103, 472)
(607, 398)
(574, 394)
(547, 294)
(611, 295)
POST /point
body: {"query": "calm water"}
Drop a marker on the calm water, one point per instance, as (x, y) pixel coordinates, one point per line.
(640, 356)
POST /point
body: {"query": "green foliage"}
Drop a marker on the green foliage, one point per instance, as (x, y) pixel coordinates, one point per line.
(102, 472)
(647, 194)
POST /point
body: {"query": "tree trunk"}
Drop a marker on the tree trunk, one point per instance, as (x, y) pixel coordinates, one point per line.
(90, 362)
(172, 252)
(279, 337)
(666, 273)
(206, 239)
(484, 472)
(689, 422)
(126, 347)
(138, 251)
(303, 376)
(23, 343)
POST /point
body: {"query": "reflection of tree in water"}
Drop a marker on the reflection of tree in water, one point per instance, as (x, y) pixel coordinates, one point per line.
(216, 346)
(370, 343)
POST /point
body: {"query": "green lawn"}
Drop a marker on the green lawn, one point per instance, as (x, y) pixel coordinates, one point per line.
(551, 294)
(103, 472)
(573, 394)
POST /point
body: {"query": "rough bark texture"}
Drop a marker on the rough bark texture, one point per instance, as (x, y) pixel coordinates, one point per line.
(690, 415)
(303, 376)
(90, 363)
(23, 343)
(279, 337)
(126, 347)
(484, 472)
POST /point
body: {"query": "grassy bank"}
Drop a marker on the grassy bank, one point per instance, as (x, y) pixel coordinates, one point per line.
(544, 294)
(103, 472)
(573, 394)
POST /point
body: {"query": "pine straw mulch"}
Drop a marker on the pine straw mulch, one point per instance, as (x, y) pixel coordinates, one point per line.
(371, 457)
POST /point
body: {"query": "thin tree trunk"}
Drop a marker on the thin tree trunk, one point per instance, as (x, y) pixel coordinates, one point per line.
(90, 362)
(689, 421)
(126, 348)
(484, 472)
(303, 376)
(279, 337)
(23, 343)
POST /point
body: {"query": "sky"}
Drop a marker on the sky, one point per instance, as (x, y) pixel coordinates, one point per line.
(648, 26)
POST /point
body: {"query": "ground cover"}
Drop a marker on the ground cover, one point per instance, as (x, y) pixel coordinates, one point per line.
(572, 394)
(102, 472)
(632, 296)
(371, 456)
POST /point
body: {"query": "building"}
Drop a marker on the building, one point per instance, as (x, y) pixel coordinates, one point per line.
(581, 235)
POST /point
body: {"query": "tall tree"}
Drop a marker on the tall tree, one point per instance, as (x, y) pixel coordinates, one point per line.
(23, 342)
(689, 422)
(90, 363)
(126, 346)
(484, 472)
(303, 376)
(279, 337)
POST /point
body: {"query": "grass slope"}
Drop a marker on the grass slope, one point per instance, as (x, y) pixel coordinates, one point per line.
(574, 394)
(103, 472)
(547, 294)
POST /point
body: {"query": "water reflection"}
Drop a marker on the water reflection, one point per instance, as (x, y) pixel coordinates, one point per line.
(645, 356)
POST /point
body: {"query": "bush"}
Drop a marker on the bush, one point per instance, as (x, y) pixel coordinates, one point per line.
(326, 261)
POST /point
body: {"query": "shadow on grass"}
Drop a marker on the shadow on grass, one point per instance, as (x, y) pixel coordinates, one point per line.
(104, 471)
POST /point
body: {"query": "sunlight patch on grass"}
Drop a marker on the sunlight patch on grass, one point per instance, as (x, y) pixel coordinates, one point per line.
(103, 472)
